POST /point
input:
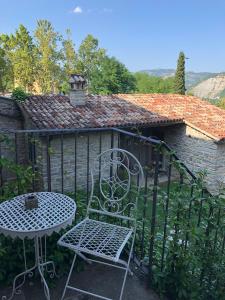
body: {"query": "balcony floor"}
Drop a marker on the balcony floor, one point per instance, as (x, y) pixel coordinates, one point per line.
(97, 278)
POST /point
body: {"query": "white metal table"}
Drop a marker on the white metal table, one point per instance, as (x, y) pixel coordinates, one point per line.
(55, 211)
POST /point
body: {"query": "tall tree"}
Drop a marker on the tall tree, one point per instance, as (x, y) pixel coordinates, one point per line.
(69, 61)
(69, 54)
(21, 52)
(49, 68)
(112, 77)
(6, 73)
(89, 57)
(179, 81)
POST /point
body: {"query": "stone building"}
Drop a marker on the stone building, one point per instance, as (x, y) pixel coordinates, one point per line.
(195, 129)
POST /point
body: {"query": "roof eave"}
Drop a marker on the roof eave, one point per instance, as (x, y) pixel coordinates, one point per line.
(216, 139)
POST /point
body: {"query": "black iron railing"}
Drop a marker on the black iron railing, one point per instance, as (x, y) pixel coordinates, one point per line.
(179, 222)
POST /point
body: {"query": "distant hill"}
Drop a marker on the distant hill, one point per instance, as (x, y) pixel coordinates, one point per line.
(192, 78)
(160, 72)
(211, 88)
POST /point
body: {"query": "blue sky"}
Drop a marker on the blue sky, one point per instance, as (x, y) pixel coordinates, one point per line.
(142, 34)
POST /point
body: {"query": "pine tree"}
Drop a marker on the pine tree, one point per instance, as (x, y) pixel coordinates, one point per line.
(179, 81)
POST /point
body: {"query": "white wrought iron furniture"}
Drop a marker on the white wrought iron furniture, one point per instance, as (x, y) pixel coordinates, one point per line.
(55, 212)
(116, 178)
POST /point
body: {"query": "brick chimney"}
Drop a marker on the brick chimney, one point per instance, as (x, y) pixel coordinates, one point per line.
(77, 93)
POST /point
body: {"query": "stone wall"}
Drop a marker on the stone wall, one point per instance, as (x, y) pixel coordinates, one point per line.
(220, 166)
(12, 147)
(10, 115)
(197, 151)
(66, 173)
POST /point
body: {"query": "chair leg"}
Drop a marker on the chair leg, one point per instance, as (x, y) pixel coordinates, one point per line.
(70, 273)
(84, 257)
(127, 270)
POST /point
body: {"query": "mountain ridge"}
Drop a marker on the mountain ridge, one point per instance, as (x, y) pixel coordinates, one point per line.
(192, 78)
(202, 84)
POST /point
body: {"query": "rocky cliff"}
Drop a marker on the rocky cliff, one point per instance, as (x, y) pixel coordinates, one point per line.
(191, 78)
(211, 88)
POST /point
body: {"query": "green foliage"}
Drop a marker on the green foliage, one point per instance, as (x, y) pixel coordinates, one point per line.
(193, 263)
(70, 57)
(179, 81)
(153, 84)
(11, 251)
(221, 103)
(189, 228)
(20, 51)
(89, 57)
(43, 63)
(6, 72)
(111, 77)
(49, 57)
(19, 95)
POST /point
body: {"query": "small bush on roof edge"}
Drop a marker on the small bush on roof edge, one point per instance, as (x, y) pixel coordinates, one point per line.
(19, 95)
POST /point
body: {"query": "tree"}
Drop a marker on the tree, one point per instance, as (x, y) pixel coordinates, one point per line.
(49, 73)
(20, 52)
(69, 54)
(179, 81)
(90, 57)
(6, 73)
(69, 61)
(112, 77)
(153, 84)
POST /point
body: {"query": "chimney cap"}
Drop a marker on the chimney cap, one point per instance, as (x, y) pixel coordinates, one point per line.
(77, 78)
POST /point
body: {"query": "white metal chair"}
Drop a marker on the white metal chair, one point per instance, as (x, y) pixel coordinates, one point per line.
(116, 178)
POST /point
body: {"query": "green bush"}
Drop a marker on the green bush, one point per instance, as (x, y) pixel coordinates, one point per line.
(193, 266)
(194, 261)
(19, 95)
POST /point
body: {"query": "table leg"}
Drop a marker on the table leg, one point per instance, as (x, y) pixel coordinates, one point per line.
(16, 288)
(40, 265)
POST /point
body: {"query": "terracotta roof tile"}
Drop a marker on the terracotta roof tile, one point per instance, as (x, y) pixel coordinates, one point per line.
(126, 110)
(196, 112)
(100, 111)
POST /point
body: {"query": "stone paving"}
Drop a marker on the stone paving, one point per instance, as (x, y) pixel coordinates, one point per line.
(96, 278)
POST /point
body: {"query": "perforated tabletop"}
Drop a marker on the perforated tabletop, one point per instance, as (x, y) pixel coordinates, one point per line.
(55, 211)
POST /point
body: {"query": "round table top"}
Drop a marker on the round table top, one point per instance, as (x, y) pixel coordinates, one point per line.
(55, 211)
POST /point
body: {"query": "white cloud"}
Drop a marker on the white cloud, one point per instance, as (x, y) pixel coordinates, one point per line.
(107, 10)
(78, 10)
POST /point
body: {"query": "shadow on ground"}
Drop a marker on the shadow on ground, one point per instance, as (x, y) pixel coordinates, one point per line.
(96, 278)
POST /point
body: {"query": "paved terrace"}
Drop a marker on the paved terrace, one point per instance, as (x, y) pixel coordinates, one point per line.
(104, 280)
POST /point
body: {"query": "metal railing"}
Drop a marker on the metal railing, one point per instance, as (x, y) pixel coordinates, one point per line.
(176, 214)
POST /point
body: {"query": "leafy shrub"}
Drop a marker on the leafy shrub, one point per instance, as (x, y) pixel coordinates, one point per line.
(19, 95)
(193, 264)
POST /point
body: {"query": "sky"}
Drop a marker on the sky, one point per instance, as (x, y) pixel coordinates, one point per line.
(144, 34)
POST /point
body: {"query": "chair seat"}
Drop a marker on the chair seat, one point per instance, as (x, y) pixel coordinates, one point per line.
(97, 238)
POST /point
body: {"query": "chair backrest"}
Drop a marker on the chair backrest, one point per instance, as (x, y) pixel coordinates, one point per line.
(117, 177)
